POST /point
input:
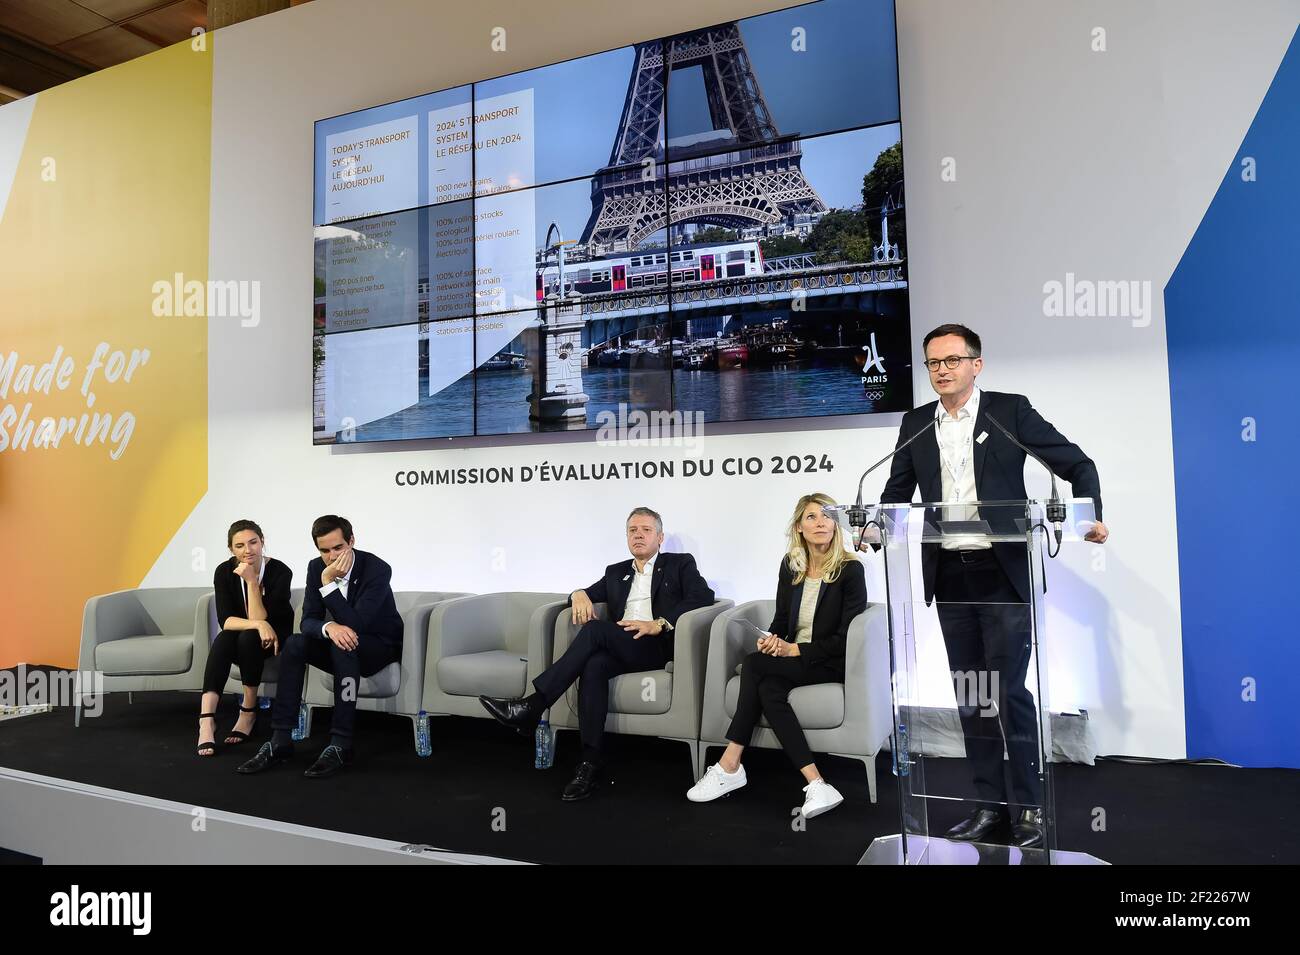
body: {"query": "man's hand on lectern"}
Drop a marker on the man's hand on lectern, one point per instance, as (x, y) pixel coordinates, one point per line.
(1098, 534)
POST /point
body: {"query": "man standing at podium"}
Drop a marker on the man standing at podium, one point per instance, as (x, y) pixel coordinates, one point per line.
(983, 588)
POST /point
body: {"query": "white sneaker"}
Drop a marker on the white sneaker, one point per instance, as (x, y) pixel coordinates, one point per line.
(716, 782)
(822, 797)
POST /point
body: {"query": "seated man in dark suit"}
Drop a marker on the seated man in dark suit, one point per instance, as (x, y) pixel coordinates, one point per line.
(645, 595)
(350, 628)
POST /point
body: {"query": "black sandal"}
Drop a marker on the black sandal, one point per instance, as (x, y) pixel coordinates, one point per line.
(209, 748)
(238, 736)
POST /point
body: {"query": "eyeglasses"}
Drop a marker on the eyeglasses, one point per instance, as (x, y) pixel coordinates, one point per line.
(952, 361)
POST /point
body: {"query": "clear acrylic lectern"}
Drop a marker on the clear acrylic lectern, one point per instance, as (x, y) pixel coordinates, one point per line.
(970, 673)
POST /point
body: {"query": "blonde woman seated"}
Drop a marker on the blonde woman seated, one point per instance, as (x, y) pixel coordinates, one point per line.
(821, 588)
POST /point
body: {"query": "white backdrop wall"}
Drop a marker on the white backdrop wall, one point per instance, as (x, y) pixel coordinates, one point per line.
(1067, 159)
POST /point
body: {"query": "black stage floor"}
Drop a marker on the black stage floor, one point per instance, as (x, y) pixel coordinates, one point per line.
(1164, 813)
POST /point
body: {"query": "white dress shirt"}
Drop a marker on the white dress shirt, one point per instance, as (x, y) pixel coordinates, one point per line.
(955, 434)
(339, 583)
(638, 598)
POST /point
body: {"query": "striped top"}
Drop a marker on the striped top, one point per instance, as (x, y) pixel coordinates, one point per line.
(808, 607)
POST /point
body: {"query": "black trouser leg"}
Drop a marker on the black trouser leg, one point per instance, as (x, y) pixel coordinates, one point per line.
(348, 667)
(560, 675)
(252, 657)
(1008, 644)
(986, 631)
(220, 657)
(593, 699)
(288, 691)
(600, 651)
(979, 725)
(765, 685)
(345, 665)
(774, 690)
(235, 646)
(646, 653)
(749, 705)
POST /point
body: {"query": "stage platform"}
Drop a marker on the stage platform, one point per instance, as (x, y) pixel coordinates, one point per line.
(126, 787)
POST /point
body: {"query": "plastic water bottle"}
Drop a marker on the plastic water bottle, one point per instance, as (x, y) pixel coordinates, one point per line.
(264, 702)
(422, 745)
(545, 736)
(300, 731)
(901, 766)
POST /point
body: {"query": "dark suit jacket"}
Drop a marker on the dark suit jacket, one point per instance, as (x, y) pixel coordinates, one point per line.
(837, 604)
(675, 588)
(369, 608)
(277, 579)
(999, 471)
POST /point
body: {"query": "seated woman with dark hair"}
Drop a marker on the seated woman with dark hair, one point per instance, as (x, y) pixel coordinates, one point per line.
(251, 592)
(821, 588)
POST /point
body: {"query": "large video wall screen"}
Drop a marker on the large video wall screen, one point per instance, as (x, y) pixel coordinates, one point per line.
(710, 223)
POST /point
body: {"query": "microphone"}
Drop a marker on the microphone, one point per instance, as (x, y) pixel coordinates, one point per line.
(857, 513)
(1055, 507)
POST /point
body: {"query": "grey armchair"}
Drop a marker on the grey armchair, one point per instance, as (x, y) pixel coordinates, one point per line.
(484, 645)
(147, 639)
(399, 687)
(852, 719)
(665, 703)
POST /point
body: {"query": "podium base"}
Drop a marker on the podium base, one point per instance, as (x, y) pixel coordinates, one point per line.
(888, 850)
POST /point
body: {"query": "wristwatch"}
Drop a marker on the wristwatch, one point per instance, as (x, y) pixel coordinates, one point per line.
(664, 625)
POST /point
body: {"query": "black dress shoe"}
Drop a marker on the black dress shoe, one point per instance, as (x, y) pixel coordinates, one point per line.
(265, 758)
(517, 714)
(331, 759)
(583, 783)
(1027, 830)
(975, 826)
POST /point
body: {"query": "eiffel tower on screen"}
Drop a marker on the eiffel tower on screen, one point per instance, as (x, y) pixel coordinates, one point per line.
(740, 174)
